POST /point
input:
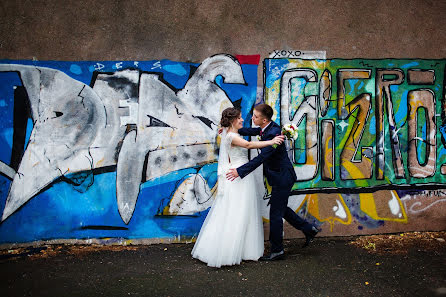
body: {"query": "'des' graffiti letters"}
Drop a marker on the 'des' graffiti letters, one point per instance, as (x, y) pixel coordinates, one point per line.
(84, 143)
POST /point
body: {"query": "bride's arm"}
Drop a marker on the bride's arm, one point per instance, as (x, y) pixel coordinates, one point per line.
(238, 141)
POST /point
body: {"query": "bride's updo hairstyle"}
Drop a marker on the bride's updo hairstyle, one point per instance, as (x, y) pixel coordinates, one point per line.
(228, 116)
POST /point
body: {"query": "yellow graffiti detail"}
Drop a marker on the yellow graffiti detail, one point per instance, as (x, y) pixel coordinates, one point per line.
(329, 151)
(166, 211)
(315, 210)
(369, 206)
(100, 162)
(322, 207)
(353, 170)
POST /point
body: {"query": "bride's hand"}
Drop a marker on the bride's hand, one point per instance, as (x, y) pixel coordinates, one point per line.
(278, 139)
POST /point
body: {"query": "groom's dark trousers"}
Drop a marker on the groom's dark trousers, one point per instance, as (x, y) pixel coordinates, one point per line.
(278, 210)
(280, 174)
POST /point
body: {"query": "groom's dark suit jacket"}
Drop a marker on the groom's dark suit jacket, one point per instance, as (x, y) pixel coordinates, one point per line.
(277, 166)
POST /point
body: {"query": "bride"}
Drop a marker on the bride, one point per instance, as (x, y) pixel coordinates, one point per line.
(233, 229)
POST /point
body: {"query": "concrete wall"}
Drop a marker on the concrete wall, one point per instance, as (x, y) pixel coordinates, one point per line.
(82, 193)
(195, 30)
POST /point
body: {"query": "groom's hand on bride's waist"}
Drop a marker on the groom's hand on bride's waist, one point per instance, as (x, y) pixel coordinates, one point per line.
(232, 174)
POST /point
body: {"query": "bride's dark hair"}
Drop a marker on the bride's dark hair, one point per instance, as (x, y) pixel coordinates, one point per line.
(228, 116)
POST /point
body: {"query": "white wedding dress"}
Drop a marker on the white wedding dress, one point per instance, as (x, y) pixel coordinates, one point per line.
(233, 228)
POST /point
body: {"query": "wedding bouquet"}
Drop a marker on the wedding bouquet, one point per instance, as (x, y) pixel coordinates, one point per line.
(289, 131)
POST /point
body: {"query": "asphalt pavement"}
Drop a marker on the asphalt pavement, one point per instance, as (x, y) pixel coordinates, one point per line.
(409, 264)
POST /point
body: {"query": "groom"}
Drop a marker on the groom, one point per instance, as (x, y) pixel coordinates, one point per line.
(280, 175)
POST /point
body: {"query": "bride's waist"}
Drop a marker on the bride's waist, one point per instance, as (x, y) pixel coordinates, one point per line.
(238, 163)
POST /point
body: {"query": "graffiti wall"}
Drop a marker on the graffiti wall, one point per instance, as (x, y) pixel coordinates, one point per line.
(129, 149)
(113, 149)
(371, 136)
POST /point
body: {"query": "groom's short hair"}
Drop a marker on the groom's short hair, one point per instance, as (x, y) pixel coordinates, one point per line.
(265, 110)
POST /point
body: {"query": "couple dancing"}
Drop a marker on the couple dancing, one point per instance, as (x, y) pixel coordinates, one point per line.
(233, 229)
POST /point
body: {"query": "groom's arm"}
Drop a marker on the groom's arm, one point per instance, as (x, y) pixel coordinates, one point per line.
(249, 131)
(249, 167)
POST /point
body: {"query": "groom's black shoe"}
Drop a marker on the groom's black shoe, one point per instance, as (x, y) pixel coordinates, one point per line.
(309, 236)
(273, 256)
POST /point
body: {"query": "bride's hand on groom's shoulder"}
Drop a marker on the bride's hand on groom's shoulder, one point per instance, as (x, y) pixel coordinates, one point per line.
(232, 174)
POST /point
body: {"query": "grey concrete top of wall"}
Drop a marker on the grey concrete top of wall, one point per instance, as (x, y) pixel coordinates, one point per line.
(194, 30)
